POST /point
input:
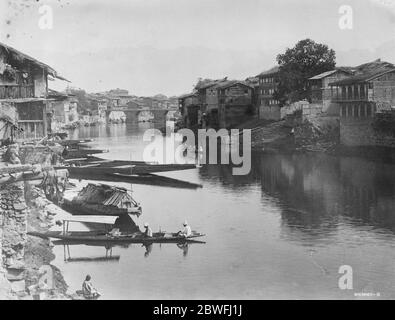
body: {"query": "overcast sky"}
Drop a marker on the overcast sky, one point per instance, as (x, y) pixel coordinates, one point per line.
(163, 46)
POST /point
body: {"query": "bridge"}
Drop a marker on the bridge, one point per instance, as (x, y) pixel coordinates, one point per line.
(132, 114)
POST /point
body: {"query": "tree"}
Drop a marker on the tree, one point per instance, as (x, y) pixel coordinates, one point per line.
(84, 104)
(297, 65)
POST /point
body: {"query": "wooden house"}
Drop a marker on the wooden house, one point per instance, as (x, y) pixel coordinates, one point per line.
(235, 103)
(23, 95)
(268, 107)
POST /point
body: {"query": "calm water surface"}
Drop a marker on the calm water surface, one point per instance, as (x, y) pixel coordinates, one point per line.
(282, 231)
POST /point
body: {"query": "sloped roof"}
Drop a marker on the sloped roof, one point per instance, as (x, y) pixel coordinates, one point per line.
(230, 83)
(329, 73)
(32, 60)
(186, 95)
(367, 71)
(271, 71)
(207, 83)
(56, 94)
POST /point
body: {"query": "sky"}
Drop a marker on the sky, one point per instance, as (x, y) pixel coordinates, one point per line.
(164, 46)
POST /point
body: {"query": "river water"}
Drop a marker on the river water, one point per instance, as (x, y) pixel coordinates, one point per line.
(282, 231)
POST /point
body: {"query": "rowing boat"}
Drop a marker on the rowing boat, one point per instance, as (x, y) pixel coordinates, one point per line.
(97, 236)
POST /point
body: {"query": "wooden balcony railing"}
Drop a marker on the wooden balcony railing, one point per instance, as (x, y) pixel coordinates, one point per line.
(16, 91)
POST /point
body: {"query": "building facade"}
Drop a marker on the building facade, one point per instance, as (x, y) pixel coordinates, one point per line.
(189, 108)
(268, 107)
(371, 91)
(61, 110)
(235, 103)
(321, 92)
(23, 95)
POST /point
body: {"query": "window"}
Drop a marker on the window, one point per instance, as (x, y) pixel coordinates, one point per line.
(343, 111)
(356, 111)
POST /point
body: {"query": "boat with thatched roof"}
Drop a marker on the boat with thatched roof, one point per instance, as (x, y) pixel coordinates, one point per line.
(102, 199)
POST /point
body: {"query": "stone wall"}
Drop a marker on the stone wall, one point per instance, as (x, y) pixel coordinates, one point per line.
(13, 211)
(269, 112)
(361, 132)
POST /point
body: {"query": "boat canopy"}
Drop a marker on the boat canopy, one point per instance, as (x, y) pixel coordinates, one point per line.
(93, 219)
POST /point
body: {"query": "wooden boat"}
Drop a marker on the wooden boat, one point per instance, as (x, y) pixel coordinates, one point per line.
(113, 237)
(73, 143)
(81, 153)
(99, 162)
(106, 237)
(103, 200)
(145, 179)
(95, 169)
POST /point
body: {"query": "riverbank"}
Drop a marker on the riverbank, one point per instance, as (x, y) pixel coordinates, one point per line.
(28, 258)
(26, 272)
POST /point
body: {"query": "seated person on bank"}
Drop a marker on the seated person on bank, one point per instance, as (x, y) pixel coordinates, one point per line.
(88, 291)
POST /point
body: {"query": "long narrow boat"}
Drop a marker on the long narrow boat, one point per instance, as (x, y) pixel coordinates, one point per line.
(145, 179)
(135, 169)
(102, 236)
(81, 153)
(72, 143)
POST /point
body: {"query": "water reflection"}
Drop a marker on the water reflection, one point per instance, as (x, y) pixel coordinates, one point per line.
(318, 192)
(108, 255)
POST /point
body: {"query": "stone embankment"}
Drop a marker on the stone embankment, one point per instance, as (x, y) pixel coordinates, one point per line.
(318, 134)
(24, 259)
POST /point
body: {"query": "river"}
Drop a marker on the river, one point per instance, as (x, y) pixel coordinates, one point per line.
(280, 232)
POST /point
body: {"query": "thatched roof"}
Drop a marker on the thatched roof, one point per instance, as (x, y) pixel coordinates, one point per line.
(105, 195)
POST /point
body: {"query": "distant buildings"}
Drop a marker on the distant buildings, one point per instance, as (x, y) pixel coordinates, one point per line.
(357, 97)
(217, 103)
(61, 109)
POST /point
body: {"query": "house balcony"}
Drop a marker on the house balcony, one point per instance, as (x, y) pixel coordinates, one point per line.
(16, 91)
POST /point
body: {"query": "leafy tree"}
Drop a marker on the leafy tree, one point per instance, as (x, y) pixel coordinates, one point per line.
(84, 104)
(297, 65)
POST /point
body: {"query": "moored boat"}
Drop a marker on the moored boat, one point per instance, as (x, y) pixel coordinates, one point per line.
(101, 199)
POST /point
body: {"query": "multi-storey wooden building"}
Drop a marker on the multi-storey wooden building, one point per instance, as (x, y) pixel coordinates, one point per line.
(23, 94)
(361, 96)
(235, 103)
(207, 94)
(320, 90)
(268, 107)
(189, 108)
